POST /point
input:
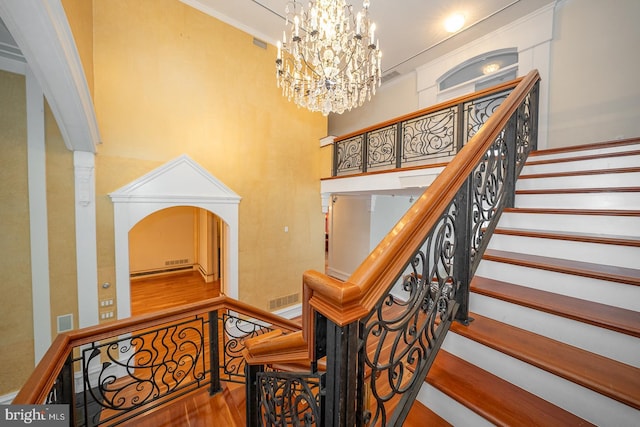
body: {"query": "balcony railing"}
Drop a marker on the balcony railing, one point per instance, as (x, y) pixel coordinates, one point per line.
(431, 135)
(112, 373)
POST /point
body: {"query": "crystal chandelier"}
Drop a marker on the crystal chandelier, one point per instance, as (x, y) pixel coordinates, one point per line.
(329, 59)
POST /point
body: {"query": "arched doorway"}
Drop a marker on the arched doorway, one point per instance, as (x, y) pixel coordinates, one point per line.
(180, 182)
(174, 259)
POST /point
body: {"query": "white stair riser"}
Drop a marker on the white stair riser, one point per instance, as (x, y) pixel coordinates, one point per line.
(565, 394)
(582, 165)
(627, 179)
(449, 409)
(597, 253)
(592, 152)
(605, 201)
(601, 224)
(601, 291)
(604, 342)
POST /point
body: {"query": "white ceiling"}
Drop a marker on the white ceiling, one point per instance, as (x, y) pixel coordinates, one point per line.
(411, 32)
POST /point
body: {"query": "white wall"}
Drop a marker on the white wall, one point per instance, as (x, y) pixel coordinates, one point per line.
(594, 89)
(356, 225)
(393, 99)
(349, 223)
(385, 213)
(167, 235)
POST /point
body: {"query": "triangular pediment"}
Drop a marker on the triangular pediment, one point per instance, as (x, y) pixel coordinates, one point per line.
(179, 179)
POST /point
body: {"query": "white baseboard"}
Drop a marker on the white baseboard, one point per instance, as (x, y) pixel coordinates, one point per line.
(290, 312)
(8, 398)
(332, 272)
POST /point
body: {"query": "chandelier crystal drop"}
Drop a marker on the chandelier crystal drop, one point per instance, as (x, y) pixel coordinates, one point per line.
(329, 58)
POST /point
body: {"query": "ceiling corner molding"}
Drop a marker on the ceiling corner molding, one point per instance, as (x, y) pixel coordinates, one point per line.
(41, 30)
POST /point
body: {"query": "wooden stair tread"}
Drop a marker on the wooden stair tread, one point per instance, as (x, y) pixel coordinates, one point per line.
(493, 398)
(571, 236)
(420, 416)
(609, 377)
(589, 146)
(580, 190)
(598, 212)
(579, 173)
(630, 276)
(583, 157)
(601, 315)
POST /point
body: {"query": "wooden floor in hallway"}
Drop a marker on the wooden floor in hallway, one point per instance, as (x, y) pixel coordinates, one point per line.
(156, 293)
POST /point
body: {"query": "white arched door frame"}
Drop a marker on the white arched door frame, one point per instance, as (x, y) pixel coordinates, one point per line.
(181, 182)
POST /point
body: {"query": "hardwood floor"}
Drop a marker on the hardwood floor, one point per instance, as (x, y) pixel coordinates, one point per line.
(162, 292)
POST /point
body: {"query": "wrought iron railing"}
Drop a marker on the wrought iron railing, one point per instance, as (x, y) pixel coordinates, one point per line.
(113, 373)
(378, 333)
(427, 136)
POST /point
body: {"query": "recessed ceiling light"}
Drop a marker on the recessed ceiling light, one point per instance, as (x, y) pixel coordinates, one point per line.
(454, 22)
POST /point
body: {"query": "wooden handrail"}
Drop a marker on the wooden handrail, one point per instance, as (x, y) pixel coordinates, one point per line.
(346, 302)
(41, 380)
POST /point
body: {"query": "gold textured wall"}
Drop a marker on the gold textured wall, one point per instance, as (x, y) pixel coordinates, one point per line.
(63, 288)
(171, 80)
(80, 16)
(16, 314)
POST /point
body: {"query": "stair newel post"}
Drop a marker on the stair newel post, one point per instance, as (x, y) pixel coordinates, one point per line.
(252, 394)
(214, 353)
(341, 375)
(462, 259)
(510, 137)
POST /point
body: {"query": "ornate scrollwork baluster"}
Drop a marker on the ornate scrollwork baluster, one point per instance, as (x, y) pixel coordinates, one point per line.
(487, 191)
(429, 136)
(236, 330)
(125, 374)
(287, 399)
(381, 148)
(349, 155)
(400, 334)
(478, 111)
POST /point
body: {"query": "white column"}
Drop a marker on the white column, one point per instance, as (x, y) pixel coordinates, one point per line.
(86, 244)
(36, 160)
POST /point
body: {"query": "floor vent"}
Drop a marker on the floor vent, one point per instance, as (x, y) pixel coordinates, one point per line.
(176, 262)
(284, 301)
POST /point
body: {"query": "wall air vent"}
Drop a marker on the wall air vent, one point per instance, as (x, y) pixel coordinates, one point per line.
(390, 76)
(65, 323)
(259, 43)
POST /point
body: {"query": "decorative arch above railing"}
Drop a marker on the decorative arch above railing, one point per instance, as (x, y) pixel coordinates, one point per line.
(180, 182)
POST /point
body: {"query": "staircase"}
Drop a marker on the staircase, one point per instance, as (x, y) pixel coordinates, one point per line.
(556, 301)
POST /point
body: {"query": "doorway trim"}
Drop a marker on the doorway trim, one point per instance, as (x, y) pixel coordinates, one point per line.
(180, 182)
